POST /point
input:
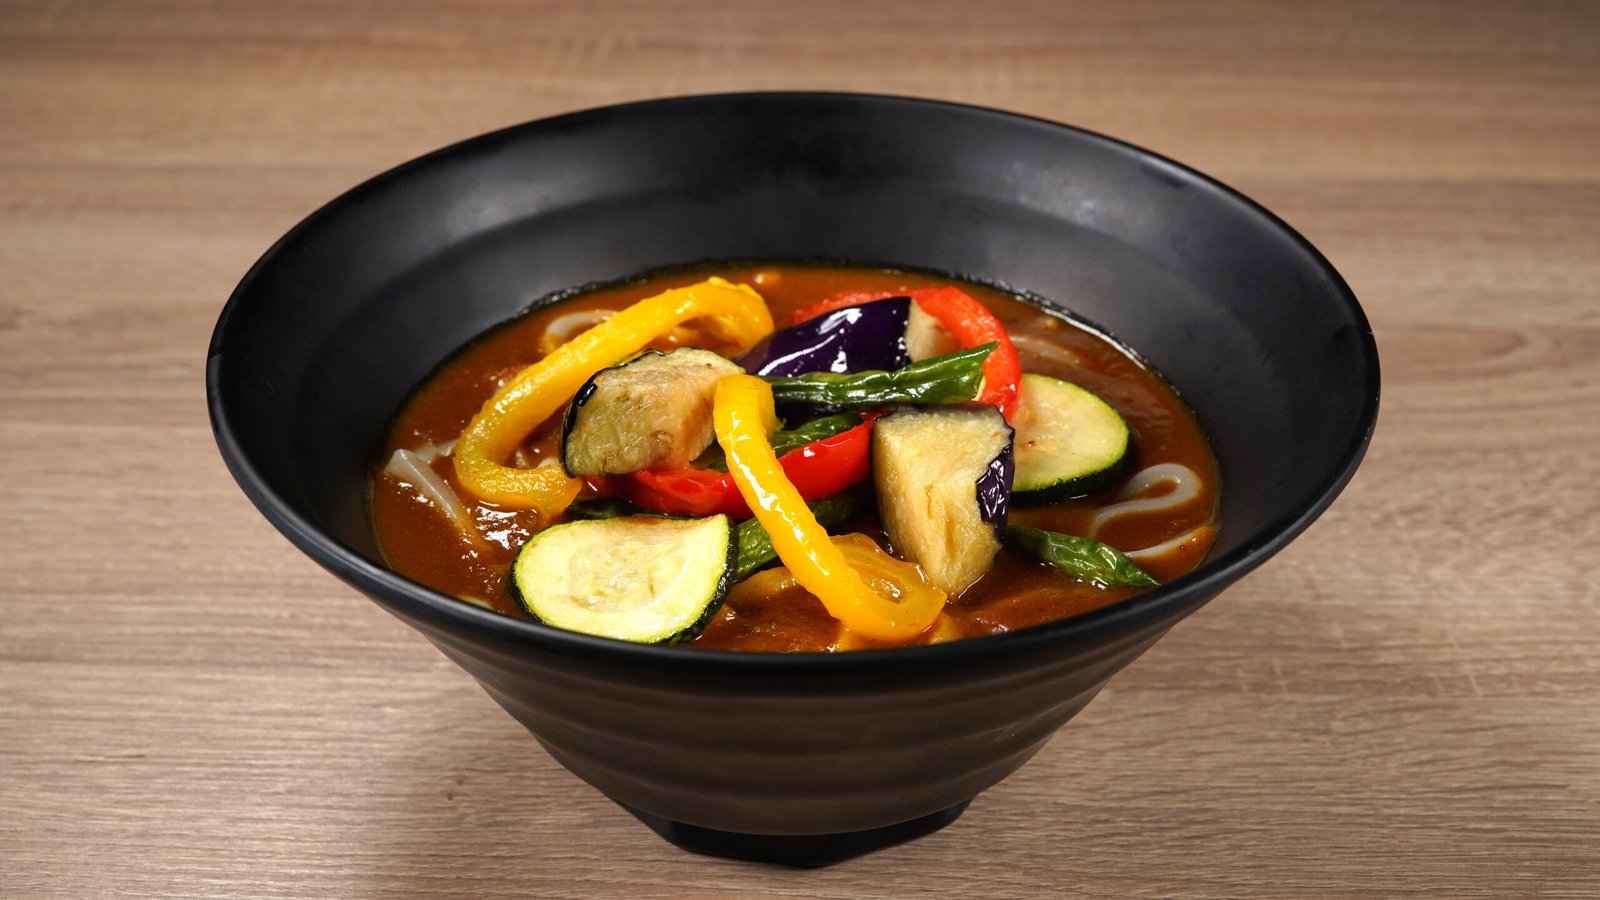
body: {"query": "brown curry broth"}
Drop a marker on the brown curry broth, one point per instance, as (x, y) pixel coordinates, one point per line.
(1018, 591)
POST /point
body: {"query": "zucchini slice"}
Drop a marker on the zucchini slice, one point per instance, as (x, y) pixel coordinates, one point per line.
(1069, 441)
(652, 412)
(646, 579)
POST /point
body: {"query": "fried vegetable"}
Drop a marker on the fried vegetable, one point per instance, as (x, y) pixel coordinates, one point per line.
(950, 378)
(539, 390)
(816, 470)
(962, 319)
(943, 476)
(1070, 442)
(646, 579)
(652, 412)
(789, 439)
(846, 340)
(1080, 557)
(744, 417)
(755, 545)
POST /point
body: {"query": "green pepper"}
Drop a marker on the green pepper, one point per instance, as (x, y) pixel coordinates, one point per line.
(1082, 558)
(755, 545)
(949, 378)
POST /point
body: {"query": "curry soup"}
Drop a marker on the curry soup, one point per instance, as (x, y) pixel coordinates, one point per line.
(770, 611)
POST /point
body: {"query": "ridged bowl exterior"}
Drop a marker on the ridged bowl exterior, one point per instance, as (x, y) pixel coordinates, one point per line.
(773, 754)
(327, 334)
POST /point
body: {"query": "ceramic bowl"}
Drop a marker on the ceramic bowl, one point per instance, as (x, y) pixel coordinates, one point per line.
(807, 758)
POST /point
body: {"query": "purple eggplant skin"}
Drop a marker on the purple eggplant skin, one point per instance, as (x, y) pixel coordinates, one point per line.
(853, 339)
(994, 489)
(943, 479)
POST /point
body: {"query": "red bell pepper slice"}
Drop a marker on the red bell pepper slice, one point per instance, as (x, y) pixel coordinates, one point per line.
(819, 469)
(967, 320)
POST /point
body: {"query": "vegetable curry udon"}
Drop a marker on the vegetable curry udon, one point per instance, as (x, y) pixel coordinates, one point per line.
(794, 457)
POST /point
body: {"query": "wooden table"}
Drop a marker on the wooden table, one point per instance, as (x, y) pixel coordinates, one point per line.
(1405, 701)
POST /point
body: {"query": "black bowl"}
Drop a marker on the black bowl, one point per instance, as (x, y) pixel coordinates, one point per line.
(795, 758)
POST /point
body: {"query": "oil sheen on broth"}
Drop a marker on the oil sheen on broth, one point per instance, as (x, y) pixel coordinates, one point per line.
(1018, 591)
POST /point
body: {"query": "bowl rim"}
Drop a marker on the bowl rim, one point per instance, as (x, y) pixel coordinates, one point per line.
(415, 601)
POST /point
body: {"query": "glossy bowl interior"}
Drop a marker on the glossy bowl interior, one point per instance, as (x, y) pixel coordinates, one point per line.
(777, 756)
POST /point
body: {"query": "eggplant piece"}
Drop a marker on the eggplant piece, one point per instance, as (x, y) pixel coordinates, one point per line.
(926, 338)
(871, 336)
(652, 412)
(943, 476)
(852, 339)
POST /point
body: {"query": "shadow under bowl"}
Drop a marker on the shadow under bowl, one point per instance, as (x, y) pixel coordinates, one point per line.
(805, 758)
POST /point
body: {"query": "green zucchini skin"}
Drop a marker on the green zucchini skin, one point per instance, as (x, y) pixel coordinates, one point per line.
(1070, 442)
(688, 618)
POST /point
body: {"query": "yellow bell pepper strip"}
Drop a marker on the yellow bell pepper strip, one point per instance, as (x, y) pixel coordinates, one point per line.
(887, 577)
(541, 389)
(742, 416)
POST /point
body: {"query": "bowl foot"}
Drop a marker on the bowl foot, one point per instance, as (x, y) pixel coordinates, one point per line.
(802, 851)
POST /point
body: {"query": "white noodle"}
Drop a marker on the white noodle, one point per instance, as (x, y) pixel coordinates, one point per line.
(563, 327)
(427, 453)
(1035, 346)
(1165, 547)
(1185, 487)
(407, 466)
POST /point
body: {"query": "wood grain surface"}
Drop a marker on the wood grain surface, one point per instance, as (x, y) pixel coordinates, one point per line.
(1406, 701)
